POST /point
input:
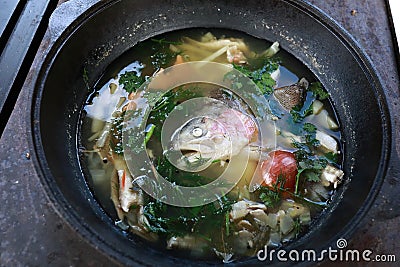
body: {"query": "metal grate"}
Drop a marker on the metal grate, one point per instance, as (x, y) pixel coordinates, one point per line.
(22, 27)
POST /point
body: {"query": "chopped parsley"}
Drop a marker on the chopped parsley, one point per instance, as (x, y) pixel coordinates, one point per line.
(269, 196)
(309, 165)
(309, 128)
(131, 80)
(85, 77)
(332, 157)
(297, 227)
(299, 112)
(167, 102)
(318, 91)
(162, 56)
(177, 176)
(310, 132)
(171, 221)
(116, 135)
(261, 76)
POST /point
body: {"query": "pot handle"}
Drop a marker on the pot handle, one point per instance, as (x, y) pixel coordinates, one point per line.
(66, 13)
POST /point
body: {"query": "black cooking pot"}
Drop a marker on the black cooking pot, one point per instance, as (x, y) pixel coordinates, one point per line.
(109, 28)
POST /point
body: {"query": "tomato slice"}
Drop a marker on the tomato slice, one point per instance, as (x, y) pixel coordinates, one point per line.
(280, 164)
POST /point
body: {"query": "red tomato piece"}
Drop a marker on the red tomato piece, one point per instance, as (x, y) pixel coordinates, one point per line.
(280, 163)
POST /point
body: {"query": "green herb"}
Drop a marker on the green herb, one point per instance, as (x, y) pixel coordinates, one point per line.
(162, 106)
(116, 134)
(310, 138)
(149, 133)
(296, 116)
(318, 91)
(309, 128)
(131, 81)
(166, 104)
(261, 77)
(227, 223)
(299, 113)
(85, 77)
(297, 227)
(311, 174)
(331, 157)
(269, 197)
(162, 56)
(179, 177)
(309, 166)
(163, 41)
(162, 59)
(157, 224)
(177, 221)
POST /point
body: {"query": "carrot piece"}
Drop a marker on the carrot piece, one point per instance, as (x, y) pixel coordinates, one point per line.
(123, 180)
(179, 60)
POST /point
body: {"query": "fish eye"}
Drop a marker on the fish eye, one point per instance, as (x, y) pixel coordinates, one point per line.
(197, 132)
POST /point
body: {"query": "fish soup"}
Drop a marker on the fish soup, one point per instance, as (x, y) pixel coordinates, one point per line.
(278, 191)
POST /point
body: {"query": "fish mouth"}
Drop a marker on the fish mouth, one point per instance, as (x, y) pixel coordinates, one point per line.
(193, 157)
(199, 149)
(190, 153)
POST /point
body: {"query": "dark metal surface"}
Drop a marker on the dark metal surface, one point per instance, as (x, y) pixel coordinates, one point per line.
(22, 27)
(8, 10)
(25, 207)
(393, 29)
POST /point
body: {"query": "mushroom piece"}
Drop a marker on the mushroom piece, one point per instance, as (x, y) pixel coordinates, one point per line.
(259, 216)
(274, 239)
(195, 244)
(294, 209)
(241, 208)
(331, 175)
(246, 225)
(243, 242)
(328, 143)
(234, 55)
(286, 224)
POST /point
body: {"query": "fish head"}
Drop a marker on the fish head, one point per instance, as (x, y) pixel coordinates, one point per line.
(202, 139)
(206, 139)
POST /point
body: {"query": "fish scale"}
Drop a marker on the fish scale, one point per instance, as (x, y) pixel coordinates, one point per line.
(292, 95)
